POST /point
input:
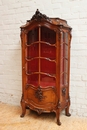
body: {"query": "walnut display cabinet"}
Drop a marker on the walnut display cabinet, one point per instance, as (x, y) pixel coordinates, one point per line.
(45, 65)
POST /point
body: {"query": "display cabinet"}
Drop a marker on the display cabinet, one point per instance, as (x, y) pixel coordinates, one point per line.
(45, 65)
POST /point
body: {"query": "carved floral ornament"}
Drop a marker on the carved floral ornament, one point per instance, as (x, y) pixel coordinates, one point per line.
(38, 16)
(39, 94)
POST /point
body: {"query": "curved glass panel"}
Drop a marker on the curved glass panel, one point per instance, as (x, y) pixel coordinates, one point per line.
(65, 37)
(32, 36)
(64, 59)
(64, 79)
(32, 51)
(64, 65)
(64, 50)
(48, 35)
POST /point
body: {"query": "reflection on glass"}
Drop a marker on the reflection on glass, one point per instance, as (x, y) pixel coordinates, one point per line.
(48, 67)
(47, 81)
(65, 37)
(48, 51)
(32, 36)
(40, 57)
(64, 50)
(48, 35)
(33, 79)
(64, 59)
(64, 79)
(32, 51)
(32, 66)
(64, 65)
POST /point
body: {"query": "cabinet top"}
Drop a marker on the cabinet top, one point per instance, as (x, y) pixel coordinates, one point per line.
(40, 17)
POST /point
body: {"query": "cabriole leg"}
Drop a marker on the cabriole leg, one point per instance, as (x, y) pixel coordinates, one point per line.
(23, 109)
(58, 116)
(67, 109)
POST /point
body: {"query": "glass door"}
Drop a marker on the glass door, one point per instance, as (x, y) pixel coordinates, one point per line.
(32, 57)
(41, 57)
(48, 57)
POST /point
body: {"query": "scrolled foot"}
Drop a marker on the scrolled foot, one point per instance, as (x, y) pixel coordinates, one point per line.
(58, 122)
(23, 108)
(22, 115)
(68, 114)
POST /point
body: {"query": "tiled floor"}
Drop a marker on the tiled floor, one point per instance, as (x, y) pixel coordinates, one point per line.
(10, 120)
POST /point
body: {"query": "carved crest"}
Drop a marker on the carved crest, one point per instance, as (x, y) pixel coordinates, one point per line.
(38, 16)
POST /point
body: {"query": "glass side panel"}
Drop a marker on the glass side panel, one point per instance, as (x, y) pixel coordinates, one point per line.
(64, 50)
(65, 37)
(32, 66)
(32, 51)
(64, 65)
(64, 59)
(64, 79)
(48, 35)
(48, 66)
(47, 81)
(32, 36)
(48, 51)
(33, 79)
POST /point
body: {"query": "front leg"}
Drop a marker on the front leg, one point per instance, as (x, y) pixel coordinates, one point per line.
(67, 111)
(58, 116)
(23, 108)
(67, 108)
